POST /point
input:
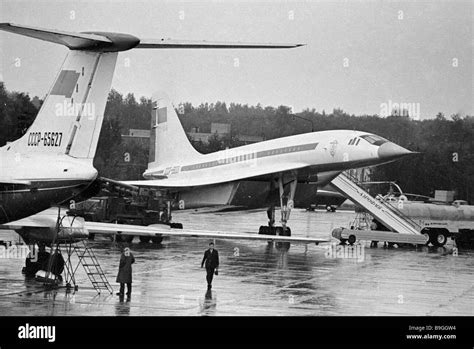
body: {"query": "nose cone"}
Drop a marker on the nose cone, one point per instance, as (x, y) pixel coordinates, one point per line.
(390, 151)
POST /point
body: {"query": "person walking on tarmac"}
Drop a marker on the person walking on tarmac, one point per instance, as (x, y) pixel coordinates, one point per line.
(124, 275)
(211, 258)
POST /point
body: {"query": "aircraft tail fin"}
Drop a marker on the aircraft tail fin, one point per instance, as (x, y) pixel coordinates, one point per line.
(168, 141)
(70, 118)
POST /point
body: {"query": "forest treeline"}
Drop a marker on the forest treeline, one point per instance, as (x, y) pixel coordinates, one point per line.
(445, 142)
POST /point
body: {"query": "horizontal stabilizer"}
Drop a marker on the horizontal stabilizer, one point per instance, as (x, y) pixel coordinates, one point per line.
(169, 43)
(114, 42)
(74, 41)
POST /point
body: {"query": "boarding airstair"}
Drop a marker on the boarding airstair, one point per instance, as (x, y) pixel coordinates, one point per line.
(403, 228)
(91, 265)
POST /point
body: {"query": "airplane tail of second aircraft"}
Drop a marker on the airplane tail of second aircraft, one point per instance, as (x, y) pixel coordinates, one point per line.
(169, 144)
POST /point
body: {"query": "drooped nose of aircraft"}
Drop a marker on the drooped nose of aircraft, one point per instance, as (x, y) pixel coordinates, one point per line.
(391, 150)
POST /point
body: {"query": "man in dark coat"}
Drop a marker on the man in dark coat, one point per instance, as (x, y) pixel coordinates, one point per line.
(211, 258)
(124, 275)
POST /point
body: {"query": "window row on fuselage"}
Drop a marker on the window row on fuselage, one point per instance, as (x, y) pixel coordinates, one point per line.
(250, 156)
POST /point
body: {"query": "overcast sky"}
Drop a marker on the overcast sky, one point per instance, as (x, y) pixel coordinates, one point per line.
(358, 56)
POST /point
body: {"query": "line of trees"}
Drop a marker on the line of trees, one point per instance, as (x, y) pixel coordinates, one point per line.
(446, 144)
(17, 112)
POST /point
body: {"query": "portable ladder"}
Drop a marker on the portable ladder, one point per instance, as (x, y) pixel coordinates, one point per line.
(91, 265)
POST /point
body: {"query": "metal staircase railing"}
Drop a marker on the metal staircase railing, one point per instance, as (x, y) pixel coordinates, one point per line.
(385, 203)
(401, 214)
(89, 261)
(400, 220)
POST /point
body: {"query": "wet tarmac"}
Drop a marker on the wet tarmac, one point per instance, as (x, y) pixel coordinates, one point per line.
(257, 278)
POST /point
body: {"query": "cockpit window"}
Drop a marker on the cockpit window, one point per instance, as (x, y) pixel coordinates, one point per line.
(373, 139)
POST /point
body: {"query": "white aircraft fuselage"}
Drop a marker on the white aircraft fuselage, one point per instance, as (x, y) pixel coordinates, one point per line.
(315, 157)
(315, 153)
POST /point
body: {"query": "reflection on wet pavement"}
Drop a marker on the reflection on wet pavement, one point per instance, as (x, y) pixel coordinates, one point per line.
(257, 278)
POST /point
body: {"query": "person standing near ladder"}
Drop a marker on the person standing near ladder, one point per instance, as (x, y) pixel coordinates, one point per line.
(124, 275)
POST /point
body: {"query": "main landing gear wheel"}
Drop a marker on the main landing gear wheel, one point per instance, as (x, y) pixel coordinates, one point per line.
(286, 205)
(124, 238)
(157, 239)
(266, 230)
(145, 239)
(280, 231)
